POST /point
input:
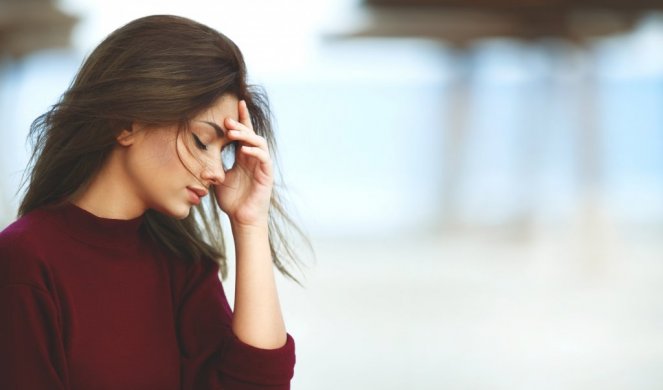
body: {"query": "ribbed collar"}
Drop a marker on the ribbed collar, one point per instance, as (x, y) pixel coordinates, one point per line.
(89, 228)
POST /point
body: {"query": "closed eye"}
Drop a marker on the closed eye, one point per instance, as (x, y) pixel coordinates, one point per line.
(199, 144)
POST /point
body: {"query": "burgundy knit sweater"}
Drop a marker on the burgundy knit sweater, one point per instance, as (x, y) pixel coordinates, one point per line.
(91, 303)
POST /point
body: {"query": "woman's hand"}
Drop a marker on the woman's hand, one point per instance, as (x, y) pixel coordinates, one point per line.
(246, 191)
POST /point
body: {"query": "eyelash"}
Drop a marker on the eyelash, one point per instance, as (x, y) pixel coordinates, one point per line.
(199, 143)
(227, 153)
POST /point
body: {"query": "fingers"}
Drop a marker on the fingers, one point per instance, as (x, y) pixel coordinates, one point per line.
(243, 130)
(264, 162)
(244, 116)
(261, 154)
(247, 138)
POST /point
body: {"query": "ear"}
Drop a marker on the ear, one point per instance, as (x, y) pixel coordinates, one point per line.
(126, 136)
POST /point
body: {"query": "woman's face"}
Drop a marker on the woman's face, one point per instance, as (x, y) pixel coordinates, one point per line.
(171, 170)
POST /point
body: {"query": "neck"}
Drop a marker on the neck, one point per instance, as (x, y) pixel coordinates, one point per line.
(110, 194)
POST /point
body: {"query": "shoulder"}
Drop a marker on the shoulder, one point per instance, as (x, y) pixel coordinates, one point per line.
(22, 247)
(30, 232)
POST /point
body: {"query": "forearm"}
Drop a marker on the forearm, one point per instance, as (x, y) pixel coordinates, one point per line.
(257, 319)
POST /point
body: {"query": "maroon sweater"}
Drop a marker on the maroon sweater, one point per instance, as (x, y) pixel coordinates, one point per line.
(90, 303)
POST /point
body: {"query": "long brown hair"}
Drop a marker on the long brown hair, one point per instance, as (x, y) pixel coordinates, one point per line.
(158, 70)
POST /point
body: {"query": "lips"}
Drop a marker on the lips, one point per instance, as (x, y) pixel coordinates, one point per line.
(201, 192)
(195, 194)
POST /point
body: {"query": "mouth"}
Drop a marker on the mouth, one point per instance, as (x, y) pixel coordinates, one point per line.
(195, 194)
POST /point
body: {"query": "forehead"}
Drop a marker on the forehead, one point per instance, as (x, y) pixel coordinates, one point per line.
(225, 106)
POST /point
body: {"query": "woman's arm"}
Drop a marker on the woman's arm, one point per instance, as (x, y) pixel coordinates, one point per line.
(245, 195)
(257, 318)
(213, 357)
(32, 354)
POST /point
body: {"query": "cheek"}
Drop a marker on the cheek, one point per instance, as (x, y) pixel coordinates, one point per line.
(157, 161)
(185, 156)
(162, 153)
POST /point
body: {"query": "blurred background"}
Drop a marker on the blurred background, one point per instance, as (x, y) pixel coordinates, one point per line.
(482, 181)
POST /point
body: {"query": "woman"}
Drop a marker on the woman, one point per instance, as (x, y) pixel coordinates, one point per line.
(109, 278)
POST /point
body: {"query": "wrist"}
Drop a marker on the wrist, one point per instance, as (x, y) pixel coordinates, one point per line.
(257, 227)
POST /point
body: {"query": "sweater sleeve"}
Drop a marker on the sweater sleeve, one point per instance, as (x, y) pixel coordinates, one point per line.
(31, 348)
(212, 356)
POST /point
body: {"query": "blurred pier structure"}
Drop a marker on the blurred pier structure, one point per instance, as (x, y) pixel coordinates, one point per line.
(27, 26)
(563, 29)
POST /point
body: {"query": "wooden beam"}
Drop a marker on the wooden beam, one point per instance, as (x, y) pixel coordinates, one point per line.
(489, 5)
(463, 25)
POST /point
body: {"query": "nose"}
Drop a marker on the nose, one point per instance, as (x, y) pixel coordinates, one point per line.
(212, 174)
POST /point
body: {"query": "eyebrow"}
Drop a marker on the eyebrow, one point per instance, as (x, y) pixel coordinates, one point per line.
(219, 131)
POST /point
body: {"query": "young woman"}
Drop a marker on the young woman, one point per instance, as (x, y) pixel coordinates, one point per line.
(109, 278)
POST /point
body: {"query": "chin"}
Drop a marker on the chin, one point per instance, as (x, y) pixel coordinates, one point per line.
(177, 212)
(182, 215)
